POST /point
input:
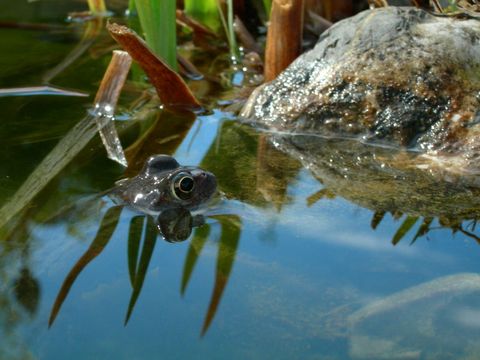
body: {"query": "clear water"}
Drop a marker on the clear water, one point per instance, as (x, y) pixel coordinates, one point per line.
(279, 276)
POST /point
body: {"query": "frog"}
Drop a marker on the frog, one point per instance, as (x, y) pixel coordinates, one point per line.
(164, 184)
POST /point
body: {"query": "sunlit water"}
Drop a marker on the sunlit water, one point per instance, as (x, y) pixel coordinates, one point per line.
(287, 271)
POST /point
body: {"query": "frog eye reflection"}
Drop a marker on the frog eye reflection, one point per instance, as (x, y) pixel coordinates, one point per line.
(183, 186)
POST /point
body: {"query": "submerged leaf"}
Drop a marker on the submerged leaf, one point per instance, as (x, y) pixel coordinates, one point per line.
(61, 155)
(40, 90)
(103, 236)
(92, 30)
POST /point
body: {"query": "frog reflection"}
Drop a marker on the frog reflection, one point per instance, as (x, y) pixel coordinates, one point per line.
(176, 224)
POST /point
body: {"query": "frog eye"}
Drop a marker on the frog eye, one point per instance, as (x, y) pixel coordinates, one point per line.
(183, 185)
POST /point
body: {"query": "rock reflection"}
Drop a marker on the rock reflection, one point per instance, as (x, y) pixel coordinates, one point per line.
(388, 181)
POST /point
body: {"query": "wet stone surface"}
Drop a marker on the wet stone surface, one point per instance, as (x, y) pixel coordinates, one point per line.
(398, 76)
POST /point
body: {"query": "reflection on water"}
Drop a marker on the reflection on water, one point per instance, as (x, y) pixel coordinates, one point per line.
(378, 179)
(306, 255)
(138, 261)
(270, 197)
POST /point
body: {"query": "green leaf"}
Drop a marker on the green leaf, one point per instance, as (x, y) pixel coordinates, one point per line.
(158, 20)
(196, 245)
(268, 7)
(149, 241)
(204, 11)
(404, 228)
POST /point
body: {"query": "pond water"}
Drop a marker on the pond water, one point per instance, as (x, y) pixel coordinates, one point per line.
(292, 263)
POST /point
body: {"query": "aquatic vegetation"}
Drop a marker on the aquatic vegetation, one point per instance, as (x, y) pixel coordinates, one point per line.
(97, 6)
(170, 87)
(306, 253)
(158, 23)
(138, 261)
(74, 142)
(206, 12)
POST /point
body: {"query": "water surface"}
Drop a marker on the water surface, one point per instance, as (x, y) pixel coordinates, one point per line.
(287, 268)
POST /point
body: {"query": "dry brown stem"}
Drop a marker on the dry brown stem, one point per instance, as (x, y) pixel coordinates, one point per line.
(335, 10)
(187, 69)
(172, 90)
(437, 6)
(112, 82)
(316, 23)
(284, 38)
(424, 4)
(106, 101)
(198, 28)
(244, 36)
(378, 3)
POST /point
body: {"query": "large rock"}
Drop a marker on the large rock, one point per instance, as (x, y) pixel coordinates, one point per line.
(396, 75)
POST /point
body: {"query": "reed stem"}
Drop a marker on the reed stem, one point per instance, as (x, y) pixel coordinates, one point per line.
(284, 38)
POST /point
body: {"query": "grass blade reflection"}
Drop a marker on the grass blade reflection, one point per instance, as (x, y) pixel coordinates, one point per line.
(196, 245)
(134, 235)
(103, 236)
(149, 241)
(404, 228)
(377, 219)
(423, 229)
(227, 248)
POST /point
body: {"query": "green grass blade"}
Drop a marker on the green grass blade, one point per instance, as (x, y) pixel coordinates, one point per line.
(232, 39)
(227, 248)
(132, 9)
(196, 245)
(267, 4)
(228, 27)
(158, 20)
(149, 241)
(205, 12)
(134, 235)
(103, 236)
(404, 228)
